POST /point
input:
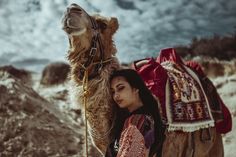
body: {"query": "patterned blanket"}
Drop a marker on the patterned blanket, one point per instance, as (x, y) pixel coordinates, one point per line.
(187, 107)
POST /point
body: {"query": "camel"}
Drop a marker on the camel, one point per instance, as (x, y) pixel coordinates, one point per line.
(92, 48)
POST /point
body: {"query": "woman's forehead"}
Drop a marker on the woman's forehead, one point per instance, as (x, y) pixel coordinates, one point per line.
(118, 80)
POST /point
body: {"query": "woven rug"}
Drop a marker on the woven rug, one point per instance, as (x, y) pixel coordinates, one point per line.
(186, 103)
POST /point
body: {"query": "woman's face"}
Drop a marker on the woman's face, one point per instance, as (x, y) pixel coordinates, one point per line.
(123, 94)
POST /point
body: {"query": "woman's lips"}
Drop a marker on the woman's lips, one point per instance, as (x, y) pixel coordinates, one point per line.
(118, 101)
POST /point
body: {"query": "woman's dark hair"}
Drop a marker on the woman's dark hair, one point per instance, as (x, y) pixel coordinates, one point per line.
(149, 104)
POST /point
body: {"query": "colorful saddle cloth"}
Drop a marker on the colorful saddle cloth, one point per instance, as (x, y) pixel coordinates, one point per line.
(187, 107)
(188, 100)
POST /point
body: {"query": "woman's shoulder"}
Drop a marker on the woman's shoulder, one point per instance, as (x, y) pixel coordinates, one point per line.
(140, 121)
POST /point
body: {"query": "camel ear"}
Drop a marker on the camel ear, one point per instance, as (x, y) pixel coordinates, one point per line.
(107, 23)
(113, 24)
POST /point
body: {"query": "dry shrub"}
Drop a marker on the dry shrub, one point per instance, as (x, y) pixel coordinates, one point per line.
(215, 67)
(223, 48)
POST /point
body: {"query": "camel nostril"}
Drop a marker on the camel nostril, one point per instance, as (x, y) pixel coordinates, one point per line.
(78, 10)
(75, 7)
(73, 4)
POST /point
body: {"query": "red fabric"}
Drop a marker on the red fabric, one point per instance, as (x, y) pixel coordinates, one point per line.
(169, 54)
(197, 67)
(222, 126)
(155, 77)
(150, 73)
(137, 136)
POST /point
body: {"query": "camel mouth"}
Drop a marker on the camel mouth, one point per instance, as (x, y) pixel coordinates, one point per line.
(70, 22)
(70, 29)
(69, 25)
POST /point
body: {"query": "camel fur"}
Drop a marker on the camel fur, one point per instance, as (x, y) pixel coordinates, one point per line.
(100, 107)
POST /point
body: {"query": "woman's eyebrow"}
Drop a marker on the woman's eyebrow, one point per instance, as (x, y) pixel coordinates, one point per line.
(119, 84)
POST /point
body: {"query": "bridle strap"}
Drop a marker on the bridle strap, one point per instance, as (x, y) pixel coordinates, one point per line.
(92, 52)
(96, 39)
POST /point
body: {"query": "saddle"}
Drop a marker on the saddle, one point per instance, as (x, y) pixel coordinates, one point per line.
(187, 98)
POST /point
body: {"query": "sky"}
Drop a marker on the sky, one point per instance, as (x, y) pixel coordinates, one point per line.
(31, 34)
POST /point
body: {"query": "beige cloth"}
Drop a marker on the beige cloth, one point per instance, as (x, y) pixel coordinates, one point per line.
(201, 143)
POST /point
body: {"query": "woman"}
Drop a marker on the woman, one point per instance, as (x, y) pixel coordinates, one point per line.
(139, 131)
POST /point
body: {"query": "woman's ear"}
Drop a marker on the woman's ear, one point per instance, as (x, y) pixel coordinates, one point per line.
(136, 90)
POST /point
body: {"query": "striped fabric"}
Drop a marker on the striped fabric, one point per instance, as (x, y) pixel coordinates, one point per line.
(137, 136)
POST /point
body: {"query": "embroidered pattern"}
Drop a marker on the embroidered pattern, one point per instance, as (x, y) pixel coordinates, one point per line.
(132, 143)
(137, 136)
(188, 109)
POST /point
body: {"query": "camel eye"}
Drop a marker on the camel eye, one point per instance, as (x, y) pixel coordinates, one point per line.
(103, 26)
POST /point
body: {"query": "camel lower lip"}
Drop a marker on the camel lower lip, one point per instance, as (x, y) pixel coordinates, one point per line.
(79, 32)
(73, 31)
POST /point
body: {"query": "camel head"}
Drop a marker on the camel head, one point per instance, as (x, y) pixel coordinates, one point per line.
(90, 37)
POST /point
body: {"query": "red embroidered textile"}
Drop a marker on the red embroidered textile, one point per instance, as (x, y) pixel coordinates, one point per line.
(187, 107)
(135, 136)
(155, 77)
(224, 125)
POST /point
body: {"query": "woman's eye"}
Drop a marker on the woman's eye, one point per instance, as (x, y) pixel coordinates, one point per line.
(120, 88)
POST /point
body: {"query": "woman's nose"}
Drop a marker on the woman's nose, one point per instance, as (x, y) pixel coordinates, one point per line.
(116, 96)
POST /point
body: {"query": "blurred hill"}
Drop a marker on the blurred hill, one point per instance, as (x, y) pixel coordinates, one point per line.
(217, 47)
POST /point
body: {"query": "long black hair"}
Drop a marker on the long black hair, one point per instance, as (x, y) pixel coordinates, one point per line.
(150, 106)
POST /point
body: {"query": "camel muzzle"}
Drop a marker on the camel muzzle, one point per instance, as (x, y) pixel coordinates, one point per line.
(70, 22)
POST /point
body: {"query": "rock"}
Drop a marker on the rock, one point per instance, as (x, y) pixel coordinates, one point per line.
(55, 73)
(23, 75)
(30, 125)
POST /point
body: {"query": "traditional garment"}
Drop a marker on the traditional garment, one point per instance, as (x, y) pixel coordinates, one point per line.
(136, 138)
(189, 110)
